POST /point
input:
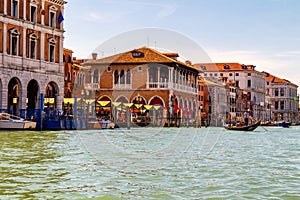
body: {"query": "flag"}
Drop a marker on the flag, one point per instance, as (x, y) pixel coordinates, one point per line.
(42, 11)
(60, 17)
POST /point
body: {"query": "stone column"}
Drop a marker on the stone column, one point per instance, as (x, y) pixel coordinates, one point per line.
(24, 44)
(5, 7)
(4, 93)
(61, 52)
(24, 10)
(42, 51)
(4, 41)
(158, 77)
(43, 16)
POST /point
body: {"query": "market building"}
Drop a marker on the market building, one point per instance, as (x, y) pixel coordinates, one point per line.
(31, 54)
(144, 85)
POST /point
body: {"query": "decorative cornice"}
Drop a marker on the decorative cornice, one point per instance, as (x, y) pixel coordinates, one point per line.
(59, 2)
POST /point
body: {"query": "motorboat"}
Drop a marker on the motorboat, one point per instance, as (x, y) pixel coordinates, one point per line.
(8, 121)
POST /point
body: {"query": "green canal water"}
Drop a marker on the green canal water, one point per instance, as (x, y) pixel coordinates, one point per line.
(151, 163)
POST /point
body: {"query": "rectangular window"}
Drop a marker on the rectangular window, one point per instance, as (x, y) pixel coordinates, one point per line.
(14, 45)
(276, 92)
(14, 8)
(249, 74)
(281, 105)
(276, 105)
(237, 83)
(249, 83)
(281, 91)
(52, 19)
(32, 49)
(51, 52)
(33, 14)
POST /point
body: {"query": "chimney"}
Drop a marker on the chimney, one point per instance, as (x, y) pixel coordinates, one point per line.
(94, 56)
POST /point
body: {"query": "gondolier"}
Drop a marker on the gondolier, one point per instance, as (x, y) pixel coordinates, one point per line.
(246, 117)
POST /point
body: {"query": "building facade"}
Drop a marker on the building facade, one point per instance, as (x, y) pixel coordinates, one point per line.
(283, 99)
(218, 104)
(143, 80)
(244, 77)
(31, 54)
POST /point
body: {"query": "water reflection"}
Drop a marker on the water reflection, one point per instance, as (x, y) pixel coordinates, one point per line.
(30, 161)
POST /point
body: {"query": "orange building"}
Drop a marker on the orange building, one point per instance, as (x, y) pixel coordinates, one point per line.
(31, 53)
(146, 82)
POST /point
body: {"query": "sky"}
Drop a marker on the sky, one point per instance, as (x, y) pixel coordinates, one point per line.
(265, 33)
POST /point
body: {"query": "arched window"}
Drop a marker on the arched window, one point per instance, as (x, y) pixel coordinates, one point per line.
(15, 8)
(116, 76)
(153, 74)
(52, 16)
(51, 42)
(96, 76)
(74, 76)
(81, 79)
(164, 74)
(14, 41)
(33, 11)
(249, 96)
(69, 76)
(122, 77)
(128, 76)
(32, 45)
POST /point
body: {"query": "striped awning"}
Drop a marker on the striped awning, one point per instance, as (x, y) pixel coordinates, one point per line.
(103, 103)
(70, 100)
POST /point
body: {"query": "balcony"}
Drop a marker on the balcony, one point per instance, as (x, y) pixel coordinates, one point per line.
(92, 86)
(169, 85)
(122, 86)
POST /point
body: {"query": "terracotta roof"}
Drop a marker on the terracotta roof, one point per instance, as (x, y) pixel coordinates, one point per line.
(140, 55)
(224, 67)
(274, 79)
(69, 50)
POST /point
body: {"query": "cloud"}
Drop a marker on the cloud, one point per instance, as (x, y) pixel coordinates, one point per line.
(289, 54)
(101, 17)
(166, 11)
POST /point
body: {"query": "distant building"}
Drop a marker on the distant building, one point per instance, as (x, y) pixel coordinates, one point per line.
(284, 100)
(244, 77)
(31, 54)
(144, 80)
(204, 103)
(218, 106)
(69, 73)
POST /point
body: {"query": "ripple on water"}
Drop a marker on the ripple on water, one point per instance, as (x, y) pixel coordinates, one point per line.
(150, 164)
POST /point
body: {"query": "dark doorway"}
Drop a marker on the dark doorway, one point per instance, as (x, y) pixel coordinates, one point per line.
(13, 95)
(32, 94)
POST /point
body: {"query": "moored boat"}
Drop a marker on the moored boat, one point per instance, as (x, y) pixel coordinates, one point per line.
(242, 127)
(283, 124)
(8, 121)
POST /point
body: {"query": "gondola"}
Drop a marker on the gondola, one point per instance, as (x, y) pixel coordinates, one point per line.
(250, 127)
